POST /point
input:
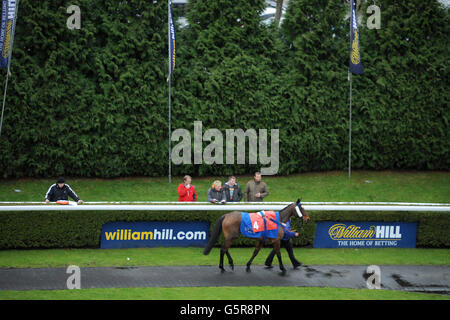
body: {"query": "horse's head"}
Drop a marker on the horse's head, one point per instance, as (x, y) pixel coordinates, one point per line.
(295, 209)
(301, 212)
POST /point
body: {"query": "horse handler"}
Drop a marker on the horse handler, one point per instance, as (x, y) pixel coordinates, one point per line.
(286, 243)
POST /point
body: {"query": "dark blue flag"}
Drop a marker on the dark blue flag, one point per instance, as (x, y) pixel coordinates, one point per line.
(7, 31)
(355, 54)
(171, 41)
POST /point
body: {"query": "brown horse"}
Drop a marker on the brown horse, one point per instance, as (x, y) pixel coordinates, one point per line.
(230, 224)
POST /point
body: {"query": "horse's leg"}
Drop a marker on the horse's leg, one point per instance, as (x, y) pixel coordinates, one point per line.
(227, 252)
(276, 246)
(230, 260)
(230, 232)
(255, 252)
(223, 251)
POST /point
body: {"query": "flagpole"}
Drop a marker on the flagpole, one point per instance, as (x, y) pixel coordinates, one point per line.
(169, 83)
(350, 102)
(355, 66)
(350, 130)
(170, 130)
(9, 64)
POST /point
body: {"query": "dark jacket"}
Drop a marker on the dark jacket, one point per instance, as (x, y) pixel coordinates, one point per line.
(214, 194)
(287, 232)
(56, 193)
(232, 194)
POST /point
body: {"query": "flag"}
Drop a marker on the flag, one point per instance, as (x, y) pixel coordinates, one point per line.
(172, 46)
(7, 31)
(355, 55)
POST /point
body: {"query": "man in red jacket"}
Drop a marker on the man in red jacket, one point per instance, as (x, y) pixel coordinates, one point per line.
(186, 191)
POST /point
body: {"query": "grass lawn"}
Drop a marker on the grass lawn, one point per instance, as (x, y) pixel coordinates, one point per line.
(395, 186)
(220, 293)
(193, 256)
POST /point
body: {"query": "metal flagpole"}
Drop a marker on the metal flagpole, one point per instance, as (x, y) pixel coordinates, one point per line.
(9, 64)
(350, 131)
(350, 107)
(170, 100)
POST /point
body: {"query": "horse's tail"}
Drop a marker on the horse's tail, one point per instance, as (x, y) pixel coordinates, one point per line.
(214, 236)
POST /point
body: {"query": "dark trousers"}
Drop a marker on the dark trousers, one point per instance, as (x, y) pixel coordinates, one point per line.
(288, 245)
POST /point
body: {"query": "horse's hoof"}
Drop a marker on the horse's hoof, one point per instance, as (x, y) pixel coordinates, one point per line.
(222, 269)
(247, 269)
(283, 272)
(232, 267)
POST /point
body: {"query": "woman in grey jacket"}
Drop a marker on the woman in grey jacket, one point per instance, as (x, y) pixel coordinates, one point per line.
(216, 194)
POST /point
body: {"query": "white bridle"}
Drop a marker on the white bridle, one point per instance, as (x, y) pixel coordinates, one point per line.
(299, 213)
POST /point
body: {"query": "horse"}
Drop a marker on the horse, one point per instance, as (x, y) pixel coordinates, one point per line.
(230, 223)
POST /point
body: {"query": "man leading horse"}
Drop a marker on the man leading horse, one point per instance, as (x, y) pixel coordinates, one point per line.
(231, 224)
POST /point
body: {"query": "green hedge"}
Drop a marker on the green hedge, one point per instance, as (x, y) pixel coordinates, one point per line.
(80, 229)
(94, 102)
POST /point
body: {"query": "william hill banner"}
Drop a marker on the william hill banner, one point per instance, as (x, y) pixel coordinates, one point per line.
(116, 235)
(355, 54)
(7, 30)
(333, 234)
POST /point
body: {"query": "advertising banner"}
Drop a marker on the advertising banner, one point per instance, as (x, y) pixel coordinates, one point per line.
(338, 234)
(355, 55)
(172, 44)
(7, 30)
(117, 235)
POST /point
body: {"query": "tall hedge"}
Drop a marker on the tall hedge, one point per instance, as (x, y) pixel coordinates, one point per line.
(87, 102)
(79, 229)
(94, 101)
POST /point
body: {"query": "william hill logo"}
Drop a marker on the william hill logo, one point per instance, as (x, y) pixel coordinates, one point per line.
(342, 231)
(365, 234)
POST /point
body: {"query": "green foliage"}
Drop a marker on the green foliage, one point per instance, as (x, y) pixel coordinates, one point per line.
(86, 101)
(80, 229)
(93, 102)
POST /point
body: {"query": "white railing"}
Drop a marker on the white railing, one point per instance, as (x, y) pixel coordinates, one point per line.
(205, 206)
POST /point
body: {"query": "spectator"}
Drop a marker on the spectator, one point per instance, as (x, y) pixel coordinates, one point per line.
(61, 191)
(232, 190)
(216, 194)
(186, 191)
(255, 190)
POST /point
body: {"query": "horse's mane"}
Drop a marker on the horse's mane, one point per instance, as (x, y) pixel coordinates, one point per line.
(286, 207)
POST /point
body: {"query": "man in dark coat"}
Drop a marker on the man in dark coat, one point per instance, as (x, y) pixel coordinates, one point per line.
(61, 191)
(233, 192)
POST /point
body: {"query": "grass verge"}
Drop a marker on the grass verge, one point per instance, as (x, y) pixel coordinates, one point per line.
(219, 293)
(396, 186)
(47, 258)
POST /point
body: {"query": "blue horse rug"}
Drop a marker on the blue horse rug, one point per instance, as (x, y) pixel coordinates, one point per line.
(260, 224)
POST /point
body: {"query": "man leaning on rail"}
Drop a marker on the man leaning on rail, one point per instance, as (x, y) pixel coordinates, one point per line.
(61, 191)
